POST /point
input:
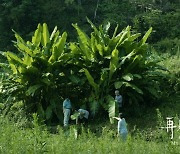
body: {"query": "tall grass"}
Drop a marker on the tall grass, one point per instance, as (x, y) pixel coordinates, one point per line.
(39, 140)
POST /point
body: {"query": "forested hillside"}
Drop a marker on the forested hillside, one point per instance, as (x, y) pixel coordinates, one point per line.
(24, 15)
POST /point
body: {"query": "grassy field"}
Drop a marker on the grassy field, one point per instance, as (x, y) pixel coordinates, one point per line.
(99, 139)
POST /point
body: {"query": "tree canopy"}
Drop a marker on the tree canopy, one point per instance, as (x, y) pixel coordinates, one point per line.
(24, 15)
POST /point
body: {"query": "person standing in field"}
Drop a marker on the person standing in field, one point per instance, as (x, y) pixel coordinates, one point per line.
(83, 114)
(118, 100)
(67, 111)
(122, 127)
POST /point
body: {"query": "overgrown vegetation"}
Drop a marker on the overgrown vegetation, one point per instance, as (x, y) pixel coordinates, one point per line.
(39, 140)
(87, 63)
(92, 67)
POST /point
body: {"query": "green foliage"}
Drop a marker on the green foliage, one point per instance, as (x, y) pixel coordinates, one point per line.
(167, 45)
(122, 61)
(172, 63)
(24, 15)
(157, 19)
(75, 116)
(38, 69)
(95, 65)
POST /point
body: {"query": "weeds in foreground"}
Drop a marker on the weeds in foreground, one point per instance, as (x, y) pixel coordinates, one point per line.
(76, 140)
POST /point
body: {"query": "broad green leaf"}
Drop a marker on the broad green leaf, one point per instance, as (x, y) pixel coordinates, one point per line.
(100, 49)
(83, 37)
(93, 43)
(143, 40)
(128, 77)
(36, 39)
(14, 62)
(58, 48)
(24, 48)
(132, 38)
(128, 31)
(53, 33)
(74, 49)
(134, 87)
(118, 84)
(115, 31)
(121, 38)
(91, 80)
(14, 57)
(137, 60)
(61, 43)
(75, 115)
(153, 91)
(21, 45)
(84, 42)
(65, 57)
(112, 108)
(27, 60)
(137, 76)
(125, 58)
(32, 89)
(21, 69)
(13, 67)
(18, 37)
(48, 112)
(114, 62)
(45, 35)
(55, 37)
(92, 25)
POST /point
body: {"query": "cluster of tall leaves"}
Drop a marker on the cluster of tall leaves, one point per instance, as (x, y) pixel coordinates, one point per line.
(39, 68)
(92, 67)
(120, 61)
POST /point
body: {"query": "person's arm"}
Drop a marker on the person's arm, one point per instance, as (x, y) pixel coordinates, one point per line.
(116, 118)
(119, 125)
(64, 105)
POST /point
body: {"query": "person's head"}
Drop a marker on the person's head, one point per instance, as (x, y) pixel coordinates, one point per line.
(121, 115)
(116, 92)
(67, 99)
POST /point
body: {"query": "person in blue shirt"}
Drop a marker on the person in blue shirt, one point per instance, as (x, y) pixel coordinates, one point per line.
(83, 114)
(118, 100)
(122, 127)
(67, 111)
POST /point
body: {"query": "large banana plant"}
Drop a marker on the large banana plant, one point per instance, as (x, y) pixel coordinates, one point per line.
(93, 67)
(112, 62)
(41, 68)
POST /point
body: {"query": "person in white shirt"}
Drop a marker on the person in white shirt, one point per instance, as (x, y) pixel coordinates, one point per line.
(122, 127)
